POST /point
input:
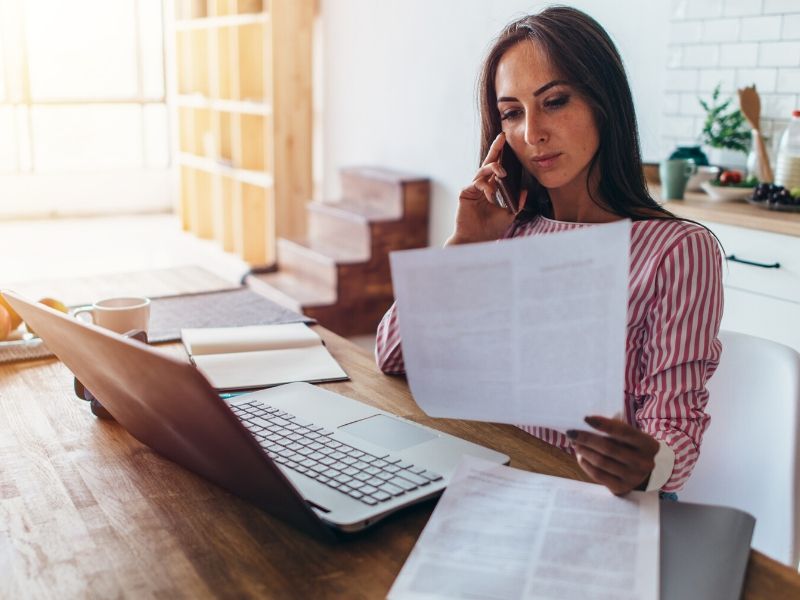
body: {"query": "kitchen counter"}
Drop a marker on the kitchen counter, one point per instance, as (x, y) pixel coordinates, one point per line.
(699, 207)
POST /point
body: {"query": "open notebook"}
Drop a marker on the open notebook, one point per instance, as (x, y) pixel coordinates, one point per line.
(237, 358)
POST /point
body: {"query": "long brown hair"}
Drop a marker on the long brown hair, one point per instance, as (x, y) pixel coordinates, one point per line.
(584, 55)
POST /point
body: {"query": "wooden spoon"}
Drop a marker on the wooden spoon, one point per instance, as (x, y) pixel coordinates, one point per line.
(750, 104)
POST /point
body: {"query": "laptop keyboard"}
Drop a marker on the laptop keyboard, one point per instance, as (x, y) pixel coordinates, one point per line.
(309, 449)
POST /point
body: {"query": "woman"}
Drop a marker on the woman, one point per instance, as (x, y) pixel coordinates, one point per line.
(553, 89)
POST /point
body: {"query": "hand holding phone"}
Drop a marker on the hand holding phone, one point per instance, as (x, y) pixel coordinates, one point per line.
(508, 188)
(480, 217)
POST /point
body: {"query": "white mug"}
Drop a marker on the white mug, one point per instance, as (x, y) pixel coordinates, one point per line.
(119, 314)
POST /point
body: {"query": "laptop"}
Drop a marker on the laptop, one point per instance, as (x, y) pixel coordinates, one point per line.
(318, 460)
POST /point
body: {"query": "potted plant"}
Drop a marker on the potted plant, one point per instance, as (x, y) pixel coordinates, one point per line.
(724, 136)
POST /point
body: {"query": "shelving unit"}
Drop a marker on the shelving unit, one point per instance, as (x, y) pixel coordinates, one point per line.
(244, 116)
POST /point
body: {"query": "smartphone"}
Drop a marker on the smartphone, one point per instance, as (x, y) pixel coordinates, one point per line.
(509, 187)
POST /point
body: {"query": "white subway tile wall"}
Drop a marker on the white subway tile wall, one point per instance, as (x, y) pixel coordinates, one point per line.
(780, 6)
(709, 78)
(759, 29)
(733, 43)
(791, 27)
(742, 8)
(724, 30)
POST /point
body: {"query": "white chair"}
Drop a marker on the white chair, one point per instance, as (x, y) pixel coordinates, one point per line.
(749, 455)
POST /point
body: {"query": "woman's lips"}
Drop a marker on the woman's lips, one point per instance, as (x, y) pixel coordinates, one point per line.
(546, 160)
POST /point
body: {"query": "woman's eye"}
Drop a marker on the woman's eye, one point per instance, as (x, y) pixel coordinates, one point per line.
(509, 114)
(556, 102)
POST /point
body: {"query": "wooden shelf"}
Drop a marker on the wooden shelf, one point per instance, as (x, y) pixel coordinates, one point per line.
(257, 178)
(222, 21)
(187, 10)
(244, 119)
(247, 107)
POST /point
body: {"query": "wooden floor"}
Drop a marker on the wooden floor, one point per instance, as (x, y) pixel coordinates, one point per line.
(35, 250)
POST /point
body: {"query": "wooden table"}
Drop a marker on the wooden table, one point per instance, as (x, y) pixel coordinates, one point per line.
(87, 511)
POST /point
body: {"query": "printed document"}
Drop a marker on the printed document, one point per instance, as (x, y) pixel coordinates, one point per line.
(527, 331)
(501, 533)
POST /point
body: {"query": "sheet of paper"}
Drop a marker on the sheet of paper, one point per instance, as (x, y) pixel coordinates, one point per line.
(527, 331)
(501, 533)
(219, 340)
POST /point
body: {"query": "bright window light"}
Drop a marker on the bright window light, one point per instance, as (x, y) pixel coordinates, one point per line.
(82, 104)
(87, 137)
(81, 48)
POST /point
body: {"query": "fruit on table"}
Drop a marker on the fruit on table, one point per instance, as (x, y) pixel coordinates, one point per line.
(15, 318)
(52, 303)
(57, 304)
(781, 196)
(734, 179)
(776, 195)
(5, 323)
(730, 177)
(762, 192)
(795, 192)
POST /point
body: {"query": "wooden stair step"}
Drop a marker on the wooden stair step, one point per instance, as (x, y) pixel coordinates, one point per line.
(308, 297)
(399, 194)
(291, 290)
(355, 210)
(349, 319)
(340, 273)
(344, 225)
(321, 264)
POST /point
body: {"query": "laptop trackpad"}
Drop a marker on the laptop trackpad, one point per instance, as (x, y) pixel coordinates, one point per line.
(387, 432)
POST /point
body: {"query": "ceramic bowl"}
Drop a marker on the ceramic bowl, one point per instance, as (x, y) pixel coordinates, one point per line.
(723, 193)
(696, 181)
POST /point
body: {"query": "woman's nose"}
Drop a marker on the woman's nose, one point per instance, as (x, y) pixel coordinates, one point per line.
(534, 132)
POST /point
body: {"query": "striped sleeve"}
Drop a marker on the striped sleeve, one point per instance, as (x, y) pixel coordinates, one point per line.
(388, 349)
(682, 350)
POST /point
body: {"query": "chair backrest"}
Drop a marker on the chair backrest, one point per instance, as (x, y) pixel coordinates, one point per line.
(749, 455)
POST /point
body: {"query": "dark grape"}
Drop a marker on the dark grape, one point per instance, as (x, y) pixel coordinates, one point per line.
(761, 193)
(774, 193)
(784, 197)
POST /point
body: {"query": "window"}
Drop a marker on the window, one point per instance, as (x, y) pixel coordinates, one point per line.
(84, 126)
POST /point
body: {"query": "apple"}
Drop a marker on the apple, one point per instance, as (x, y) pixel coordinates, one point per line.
(56, 304)
(730, 177)
(52, 303)
(15, 318)
(5, 323)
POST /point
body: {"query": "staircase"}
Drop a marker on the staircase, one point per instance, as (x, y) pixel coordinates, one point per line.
(340, 274)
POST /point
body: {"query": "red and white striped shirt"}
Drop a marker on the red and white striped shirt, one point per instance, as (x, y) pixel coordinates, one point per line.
(672, 349)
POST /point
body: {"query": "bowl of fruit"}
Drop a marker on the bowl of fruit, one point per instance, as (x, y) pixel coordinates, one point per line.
(730, 186)
(13, 330)
(776, 197)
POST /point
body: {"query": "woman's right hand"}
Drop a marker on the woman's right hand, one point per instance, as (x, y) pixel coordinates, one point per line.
(478, 218)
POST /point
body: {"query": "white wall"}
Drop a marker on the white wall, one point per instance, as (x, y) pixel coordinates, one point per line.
(733, 43)
(398, 83)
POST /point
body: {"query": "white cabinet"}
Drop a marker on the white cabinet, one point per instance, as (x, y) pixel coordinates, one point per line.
(761, 299)
(762, 316)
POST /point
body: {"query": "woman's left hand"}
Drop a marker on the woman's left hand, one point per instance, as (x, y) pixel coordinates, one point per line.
(621, 460)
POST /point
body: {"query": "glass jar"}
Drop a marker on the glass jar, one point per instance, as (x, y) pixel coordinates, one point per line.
(787, 170)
